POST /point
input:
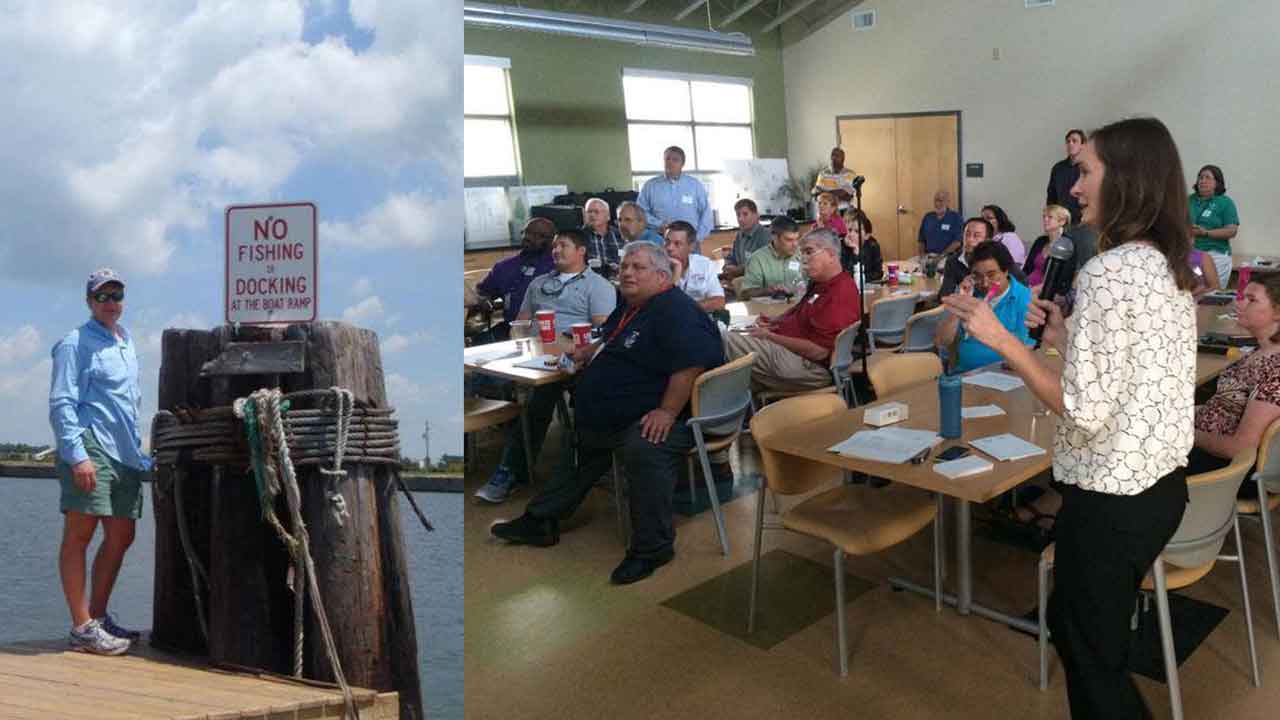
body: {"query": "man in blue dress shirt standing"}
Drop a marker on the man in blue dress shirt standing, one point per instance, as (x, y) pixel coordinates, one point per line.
(94, 399)
(676, 196)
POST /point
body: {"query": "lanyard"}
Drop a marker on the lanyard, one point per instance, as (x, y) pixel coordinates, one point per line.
(626, 318)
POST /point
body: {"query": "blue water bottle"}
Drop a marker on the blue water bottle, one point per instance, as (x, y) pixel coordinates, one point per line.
(949, 406)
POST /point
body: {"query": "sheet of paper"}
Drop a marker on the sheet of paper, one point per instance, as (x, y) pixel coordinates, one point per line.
(1007, 447)
(962, 467)
(538, 362)
(888, 445)
(981, 411)
(480, 357)
(994, 380)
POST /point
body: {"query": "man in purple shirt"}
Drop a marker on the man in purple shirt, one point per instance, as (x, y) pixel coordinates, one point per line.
(511, 277)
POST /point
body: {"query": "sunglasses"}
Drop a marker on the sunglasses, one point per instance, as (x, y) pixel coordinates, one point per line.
(101, 297)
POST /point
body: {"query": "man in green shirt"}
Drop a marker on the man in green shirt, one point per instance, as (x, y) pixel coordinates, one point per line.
(776, 268)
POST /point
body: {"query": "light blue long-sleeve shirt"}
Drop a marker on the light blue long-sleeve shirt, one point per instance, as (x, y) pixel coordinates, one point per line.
(685, 198)
(95, 387)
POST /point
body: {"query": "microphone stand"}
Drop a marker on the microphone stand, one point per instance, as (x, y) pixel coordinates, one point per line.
(865, 317)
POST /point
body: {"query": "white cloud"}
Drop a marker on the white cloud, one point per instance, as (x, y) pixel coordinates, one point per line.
(410, 220)
(362, 286)
(22, 344)
(135, 122)
(398, 342)
(403, 391)
(366, 310)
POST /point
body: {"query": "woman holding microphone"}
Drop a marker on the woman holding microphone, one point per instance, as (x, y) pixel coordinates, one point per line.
(1125, 401)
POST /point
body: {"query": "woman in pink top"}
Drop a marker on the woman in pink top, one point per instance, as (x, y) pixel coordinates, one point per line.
(1005, 234)
(828, 217)
(1054, 220)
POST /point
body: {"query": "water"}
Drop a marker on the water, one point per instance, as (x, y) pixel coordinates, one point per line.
(32, 607)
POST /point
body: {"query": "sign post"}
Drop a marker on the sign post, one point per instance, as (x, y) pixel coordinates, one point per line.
(271, 264)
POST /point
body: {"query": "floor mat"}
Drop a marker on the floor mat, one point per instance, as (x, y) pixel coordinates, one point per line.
(1192, 620)
(795, 592)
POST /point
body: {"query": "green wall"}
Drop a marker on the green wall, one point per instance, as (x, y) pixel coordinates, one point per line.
(570, 118)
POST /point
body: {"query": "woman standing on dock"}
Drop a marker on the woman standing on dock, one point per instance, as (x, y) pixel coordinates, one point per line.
(94, 400)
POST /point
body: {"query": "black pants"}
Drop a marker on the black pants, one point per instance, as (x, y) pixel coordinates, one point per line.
(1105, 546)
(540, 410)
(651, 475)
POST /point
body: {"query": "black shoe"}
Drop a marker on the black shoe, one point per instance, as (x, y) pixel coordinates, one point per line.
(721, 473)
(635, 568)
(528, 530)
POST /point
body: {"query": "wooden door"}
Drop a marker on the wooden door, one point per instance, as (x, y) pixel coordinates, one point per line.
(905, 159)
(871, 152)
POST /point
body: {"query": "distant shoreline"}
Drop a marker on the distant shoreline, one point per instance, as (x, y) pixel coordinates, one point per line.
(418, 482)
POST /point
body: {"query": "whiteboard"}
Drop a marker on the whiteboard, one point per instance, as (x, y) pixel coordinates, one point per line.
(486, 216)
(761, 180)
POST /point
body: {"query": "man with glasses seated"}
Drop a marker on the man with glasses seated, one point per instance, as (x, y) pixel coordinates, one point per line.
(577, 294)
(510, 277)
(774, 270)
(694, 273)
(632, 397)
(604, 241)
(991, 278)
(793, 350)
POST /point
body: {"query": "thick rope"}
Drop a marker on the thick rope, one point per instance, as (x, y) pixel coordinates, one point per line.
(270, 416)
(197, 570)
(344, 403)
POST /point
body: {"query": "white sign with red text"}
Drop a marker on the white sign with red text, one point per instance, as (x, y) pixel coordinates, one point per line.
(271, 263)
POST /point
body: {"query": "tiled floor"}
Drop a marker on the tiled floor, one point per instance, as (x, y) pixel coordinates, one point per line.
(547, 636)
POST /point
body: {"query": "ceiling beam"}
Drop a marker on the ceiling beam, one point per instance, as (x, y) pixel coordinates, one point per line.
(692, 6)
(795, 10)
(635, 5)
(742, 9)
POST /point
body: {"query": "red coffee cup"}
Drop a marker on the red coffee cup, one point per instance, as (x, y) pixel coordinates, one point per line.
(546, 320)
(1242, 279)
(581, 334)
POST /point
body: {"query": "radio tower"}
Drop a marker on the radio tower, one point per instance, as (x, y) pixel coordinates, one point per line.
(426, 438)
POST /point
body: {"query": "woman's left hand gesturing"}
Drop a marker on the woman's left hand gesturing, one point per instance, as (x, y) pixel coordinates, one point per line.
(979, 320)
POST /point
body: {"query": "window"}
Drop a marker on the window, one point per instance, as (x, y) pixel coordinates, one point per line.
(488, 131)
(708, 116)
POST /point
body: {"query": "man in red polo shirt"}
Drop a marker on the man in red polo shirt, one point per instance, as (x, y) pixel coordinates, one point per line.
(793, 351)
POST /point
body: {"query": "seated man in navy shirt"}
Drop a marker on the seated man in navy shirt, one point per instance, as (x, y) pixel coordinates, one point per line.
(632, 396)
(940, 230)
(510, 278)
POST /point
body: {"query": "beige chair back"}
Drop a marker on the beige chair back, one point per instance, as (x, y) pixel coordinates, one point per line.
(891, 373)
(787, 474)
(1210, 510)
(1269, 457)
(723, 389)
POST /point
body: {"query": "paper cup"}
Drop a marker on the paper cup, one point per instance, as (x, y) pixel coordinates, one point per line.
(546, 320)
(581, 334)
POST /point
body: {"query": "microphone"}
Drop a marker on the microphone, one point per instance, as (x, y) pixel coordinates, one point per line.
(1060, 253)
(857, 182)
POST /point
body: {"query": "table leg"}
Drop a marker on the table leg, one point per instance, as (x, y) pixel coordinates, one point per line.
(522, 396)
(964, 556)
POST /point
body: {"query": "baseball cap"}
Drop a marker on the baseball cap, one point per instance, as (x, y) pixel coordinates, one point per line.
(101, 277)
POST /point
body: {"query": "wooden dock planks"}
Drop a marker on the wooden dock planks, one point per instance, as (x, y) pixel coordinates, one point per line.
(45, 680)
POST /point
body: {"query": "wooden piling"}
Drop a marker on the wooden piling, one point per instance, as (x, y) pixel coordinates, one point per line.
(360, 563)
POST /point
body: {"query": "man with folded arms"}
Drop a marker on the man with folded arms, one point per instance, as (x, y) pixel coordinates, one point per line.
(604, 242)
(793, 350)
(694, 273)
(94, 398)
(774, 269)
(577, 295)
(632, 397)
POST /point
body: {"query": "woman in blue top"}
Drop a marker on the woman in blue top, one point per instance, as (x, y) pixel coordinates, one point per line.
(1009, 299)
(1214, 220)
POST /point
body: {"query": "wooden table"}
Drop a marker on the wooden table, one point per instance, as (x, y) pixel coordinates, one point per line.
(811, 440)
(525, 380)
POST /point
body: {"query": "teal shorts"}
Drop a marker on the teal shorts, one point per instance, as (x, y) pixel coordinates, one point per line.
(116, 493)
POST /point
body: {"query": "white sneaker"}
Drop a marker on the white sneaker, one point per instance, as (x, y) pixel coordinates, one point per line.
(94, 639)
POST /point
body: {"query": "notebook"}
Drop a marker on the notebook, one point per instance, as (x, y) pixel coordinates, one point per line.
(963, 467)
(994, 380)
(539, 362)
(1007, 447)
(887, 445)
(981, 411)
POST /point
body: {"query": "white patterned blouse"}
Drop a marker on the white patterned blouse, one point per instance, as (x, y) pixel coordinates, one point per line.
(1128, 383)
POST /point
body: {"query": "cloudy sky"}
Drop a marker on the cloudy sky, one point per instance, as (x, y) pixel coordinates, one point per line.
(131, 125)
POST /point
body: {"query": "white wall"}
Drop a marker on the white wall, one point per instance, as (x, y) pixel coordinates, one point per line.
(1204, 67)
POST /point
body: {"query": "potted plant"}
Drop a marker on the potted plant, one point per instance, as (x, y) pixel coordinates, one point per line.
(796, 190)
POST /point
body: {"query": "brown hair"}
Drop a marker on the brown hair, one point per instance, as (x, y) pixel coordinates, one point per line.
(1142, 195)
(1271, 284)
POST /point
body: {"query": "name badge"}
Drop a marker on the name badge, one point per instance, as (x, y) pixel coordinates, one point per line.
(946, 226)
(594, 262)
(793, 265)
(814, 298)
(528, 271)
(686, 199)
(1208, 212)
